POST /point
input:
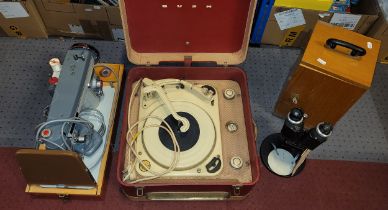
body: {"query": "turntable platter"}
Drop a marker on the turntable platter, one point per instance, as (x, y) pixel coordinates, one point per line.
(196, 144)
(186, 140)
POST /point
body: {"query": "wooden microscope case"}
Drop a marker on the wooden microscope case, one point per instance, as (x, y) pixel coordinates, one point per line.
(327, 82)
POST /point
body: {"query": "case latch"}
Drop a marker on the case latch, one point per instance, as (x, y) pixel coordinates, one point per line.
(64, 197)
(139, 191)
(236, 190)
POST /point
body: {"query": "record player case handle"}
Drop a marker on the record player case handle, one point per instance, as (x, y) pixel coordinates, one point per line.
(356, 50)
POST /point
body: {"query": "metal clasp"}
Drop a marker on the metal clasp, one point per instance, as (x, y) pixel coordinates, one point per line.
(295, 98)
(139, 191)
(64, 197)
(236, 190)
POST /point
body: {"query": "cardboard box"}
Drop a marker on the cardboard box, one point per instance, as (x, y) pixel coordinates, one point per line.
(74, 20)
(323, 5)
(115, 22)
(363, 18)
(114, 15)
(379, 31)
(21, 19)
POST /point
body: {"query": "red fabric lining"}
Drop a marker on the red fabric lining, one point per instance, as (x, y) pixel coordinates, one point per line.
(220, 28)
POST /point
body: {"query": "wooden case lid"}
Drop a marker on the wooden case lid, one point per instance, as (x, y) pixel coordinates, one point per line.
(338, 62)
(53, 167)
(172, 30)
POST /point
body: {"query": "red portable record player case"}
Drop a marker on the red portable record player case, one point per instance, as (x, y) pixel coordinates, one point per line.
(188, 32)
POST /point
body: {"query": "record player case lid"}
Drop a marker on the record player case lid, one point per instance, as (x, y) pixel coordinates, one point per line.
(172, 30)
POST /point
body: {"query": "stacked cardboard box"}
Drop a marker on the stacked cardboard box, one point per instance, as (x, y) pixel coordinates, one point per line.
(293, 26)
(305, 4)
(115, 23)
(380, 31)
(43, 18)
(21, 19)
(74, 20)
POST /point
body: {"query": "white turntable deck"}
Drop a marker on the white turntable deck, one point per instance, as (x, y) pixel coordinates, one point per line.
(199, 145)
(219, 151)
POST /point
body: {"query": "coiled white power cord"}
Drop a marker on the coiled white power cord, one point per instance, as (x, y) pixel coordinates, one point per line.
(130, 139)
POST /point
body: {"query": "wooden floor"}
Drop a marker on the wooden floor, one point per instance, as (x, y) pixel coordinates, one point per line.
(324, 184)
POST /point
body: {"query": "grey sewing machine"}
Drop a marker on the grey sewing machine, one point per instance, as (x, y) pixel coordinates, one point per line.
(72, 116)
(73, 143)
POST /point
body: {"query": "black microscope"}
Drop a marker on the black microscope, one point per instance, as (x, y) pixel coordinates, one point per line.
(285, 153)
